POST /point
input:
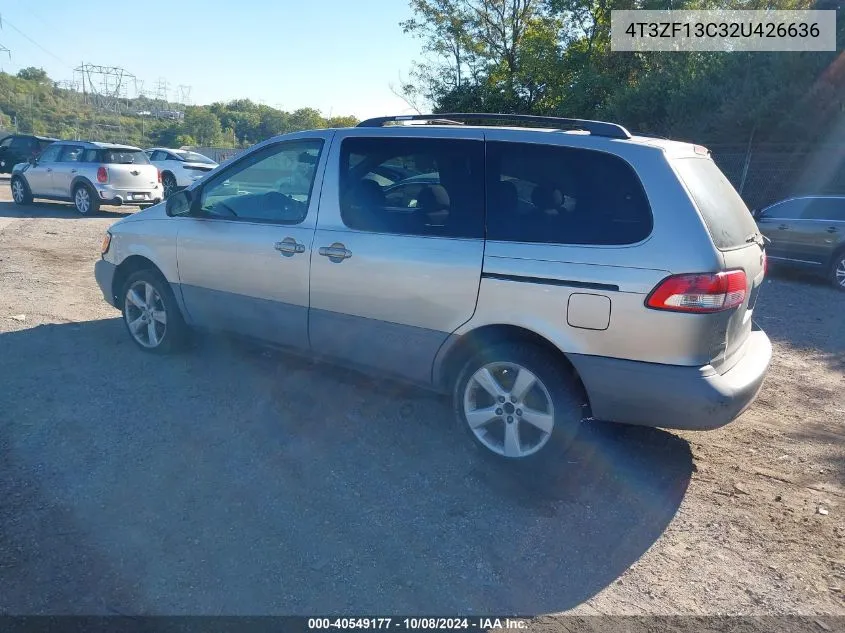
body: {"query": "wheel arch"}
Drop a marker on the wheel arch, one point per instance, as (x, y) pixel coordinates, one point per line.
(128, 267)
(458, 349)
(80, 180)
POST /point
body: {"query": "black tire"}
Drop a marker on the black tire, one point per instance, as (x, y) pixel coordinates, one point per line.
(837, 268)
(93, 200)
(173, 333)
(168, 184)
(23, 195)
(558, 384)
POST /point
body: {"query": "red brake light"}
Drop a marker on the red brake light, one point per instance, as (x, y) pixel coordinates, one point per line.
(699, 292)
(102, 174)
(159, 176)
(765, 263)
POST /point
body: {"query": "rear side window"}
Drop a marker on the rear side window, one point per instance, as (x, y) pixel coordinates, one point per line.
(787, 210)
(562, 195)
(725, 214)
(832, 209)
(413, 186)
(124, 157)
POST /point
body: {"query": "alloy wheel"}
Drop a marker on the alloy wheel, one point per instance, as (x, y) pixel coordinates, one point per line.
(839, 273)
(145, 314)
(18, 192)
(82, 200)
(509, 409)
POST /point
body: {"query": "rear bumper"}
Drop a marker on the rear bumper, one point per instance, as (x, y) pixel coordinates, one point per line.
(118, 196)
(674, 397)
(104, 274)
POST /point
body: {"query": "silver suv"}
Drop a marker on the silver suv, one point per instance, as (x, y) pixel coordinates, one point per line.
(88, 174)
(540, 276)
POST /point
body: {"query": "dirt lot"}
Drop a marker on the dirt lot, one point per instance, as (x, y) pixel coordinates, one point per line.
(231, 480)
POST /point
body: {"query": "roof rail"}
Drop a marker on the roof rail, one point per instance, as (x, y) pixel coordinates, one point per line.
(596, 128)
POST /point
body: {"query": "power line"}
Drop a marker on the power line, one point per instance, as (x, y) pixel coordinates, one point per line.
(52, 54)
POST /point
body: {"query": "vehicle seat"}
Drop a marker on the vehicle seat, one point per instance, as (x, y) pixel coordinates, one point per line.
(547, 199)
(365, 202)
(434, 204)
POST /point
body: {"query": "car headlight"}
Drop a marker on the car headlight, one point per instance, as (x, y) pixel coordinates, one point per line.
(104, 248)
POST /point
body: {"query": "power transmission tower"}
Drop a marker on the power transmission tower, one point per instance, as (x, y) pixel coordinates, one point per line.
(3, 49)
(106, 88)
(185, 95)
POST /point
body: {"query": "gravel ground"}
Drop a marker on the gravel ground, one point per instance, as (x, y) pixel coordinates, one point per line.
(232, 480)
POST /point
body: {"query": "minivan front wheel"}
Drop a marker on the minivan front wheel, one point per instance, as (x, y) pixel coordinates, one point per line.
(837, 271)
(517, 403)
(151, 315)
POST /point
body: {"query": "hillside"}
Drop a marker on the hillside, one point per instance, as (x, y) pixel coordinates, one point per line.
(31, 102)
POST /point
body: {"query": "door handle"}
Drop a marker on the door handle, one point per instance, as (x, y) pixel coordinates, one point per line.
(783, 227)
(832, 229)
(49, 169)
(289, 246)
(73, 171)
(336, 252)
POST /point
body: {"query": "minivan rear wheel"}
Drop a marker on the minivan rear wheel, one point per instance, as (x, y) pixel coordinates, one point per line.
(517, 403)
(837, 271)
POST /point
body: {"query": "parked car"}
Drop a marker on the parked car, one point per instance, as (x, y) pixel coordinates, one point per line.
(19, 148)
(179, 168)
(807, 232)
(549, 277)
(88, 174)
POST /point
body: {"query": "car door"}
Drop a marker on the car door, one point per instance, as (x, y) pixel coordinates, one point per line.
(39, 176)
(820, 232)
(244, 254)
(6, 163)
(65, 169)
(780, 223)
(393, 276)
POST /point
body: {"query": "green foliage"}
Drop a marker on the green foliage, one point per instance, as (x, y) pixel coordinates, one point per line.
(31, 103)
(554, 57)
(31, 73)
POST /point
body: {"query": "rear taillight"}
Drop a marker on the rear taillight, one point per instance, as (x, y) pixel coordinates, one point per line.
(102, 174)
(699, 292)
(765, 264)
(159, 176)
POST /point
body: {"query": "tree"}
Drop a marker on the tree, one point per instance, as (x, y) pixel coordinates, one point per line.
(203, 125)
(31, 73)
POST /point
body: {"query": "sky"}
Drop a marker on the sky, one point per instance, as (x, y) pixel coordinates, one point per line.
(338, 56)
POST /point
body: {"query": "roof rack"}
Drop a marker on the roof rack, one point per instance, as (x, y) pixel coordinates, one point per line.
(596, 128)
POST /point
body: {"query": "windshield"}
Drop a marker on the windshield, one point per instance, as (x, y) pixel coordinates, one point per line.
(194, 157)
(124, 157)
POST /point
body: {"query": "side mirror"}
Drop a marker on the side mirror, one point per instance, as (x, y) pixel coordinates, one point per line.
(179, 204)
(33, 161)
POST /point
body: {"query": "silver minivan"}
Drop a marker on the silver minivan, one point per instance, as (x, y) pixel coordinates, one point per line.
(540, 276)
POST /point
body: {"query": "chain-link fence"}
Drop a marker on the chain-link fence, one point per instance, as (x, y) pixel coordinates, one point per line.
(767, 174)
(217, 154)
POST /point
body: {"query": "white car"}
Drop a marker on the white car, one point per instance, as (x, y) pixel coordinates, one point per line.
(179, 168)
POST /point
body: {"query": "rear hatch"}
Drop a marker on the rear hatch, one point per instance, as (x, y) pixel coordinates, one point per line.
(129, 169)
(735, 235)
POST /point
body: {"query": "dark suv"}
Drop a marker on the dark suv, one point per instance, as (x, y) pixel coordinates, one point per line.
(807, 232)
(19, 148)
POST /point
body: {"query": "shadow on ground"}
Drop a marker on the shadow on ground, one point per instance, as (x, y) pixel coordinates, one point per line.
(58, 210)
(231, 481)
(804, 312)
